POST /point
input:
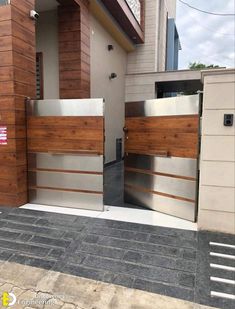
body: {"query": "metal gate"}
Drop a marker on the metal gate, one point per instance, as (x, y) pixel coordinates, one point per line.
(161, 146)
(65, 141)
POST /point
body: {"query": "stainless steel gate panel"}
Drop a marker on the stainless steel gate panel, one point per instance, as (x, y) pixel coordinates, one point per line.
(184, 105)
(174, 207)
(81, 107)
(67, 178)
(157, 175)
(62, 180)
(82, 200)
(86, 163)
(185, 167)
(177, 187)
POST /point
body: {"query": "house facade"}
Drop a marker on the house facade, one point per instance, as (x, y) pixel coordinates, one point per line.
(70, 52)
(119, 51)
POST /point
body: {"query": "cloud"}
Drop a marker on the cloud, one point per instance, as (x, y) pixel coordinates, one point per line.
(206, 38)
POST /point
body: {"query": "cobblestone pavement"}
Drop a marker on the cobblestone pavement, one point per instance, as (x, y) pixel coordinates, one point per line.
(39, 288)
(165, 261)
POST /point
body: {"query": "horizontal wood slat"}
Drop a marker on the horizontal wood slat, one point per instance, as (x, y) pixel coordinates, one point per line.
(177, 135)
(65, 134)
(74, 50)
(17, 81)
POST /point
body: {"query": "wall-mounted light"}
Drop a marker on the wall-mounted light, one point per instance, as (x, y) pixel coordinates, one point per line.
(110, 47)
(112, 76)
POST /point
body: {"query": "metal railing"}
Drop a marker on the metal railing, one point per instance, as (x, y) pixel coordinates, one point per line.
(135, 7)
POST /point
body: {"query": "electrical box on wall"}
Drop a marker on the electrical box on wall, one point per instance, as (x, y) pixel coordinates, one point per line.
(228, 120)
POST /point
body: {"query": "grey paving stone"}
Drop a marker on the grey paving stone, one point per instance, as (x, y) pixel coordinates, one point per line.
(164, 289)
(186, 279)
(160, 261)
(91, 239)
(144, 228)
(5, 255)
(50, 241)
(173, 241)
(21, 247)
(134, 256)
(20, 219)
(84, 272)
(31, 261)
(24, 237)
(188, 254)
(56, 253)
(71, 235)
(76, 258)
(155, 273)
(223, 287)
(118, 233)
(124, 280)
(101, 250)
(8, 234)
(61, 225)
(34, 229)
(138, 246)
(223, 250)
(221, 261)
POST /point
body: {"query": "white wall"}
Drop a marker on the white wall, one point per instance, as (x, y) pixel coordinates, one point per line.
(103, 63)
(47, 43)
(217, 180)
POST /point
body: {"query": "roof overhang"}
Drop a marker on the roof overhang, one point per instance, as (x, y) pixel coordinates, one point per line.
(123, 15)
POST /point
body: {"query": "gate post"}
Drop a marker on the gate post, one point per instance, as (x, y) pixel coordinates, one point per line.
(17, 81)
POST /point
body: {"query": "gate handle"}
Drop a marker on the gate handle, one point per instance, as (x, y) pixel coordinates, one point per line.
(125, 129)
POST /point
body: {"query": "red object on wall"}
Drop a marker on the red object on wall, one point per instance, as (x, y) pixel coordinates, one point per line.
(3, 135)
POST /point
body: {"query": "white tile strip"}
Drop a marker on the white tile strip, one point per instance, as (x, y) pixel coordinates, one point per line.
(222, 295)
(229, 268)
(221, 245)
(222, 280)
(226, 256)
(125, 214)
(62, 210)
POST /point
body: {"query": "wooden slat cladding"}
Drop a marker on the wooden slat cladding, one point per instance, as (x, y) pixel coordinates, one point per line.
(65, 134)
(74, 50)
(177, 135)
(17, 81)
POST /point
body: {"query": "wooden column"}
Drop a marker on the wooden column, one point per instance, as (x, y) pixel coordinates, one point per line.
(74, 50)
(17, 81)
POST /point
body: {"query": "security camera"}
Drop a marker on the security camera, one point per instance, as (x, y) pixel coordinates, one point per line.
(34, 15)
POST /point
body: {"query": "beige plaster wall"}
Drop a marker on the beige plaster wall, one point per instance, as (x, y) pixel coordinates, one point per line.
(217, 165)
(150, 56)
(47, 43)
(103, 63)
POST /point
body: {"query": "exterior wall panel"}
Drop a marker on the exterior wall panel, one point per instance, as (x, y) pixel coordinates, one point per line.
(217, 180)
(17, 63)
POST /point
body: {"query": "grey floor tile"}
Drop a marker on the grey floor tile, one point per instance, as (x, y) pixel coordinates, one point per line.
(31, 261)
(164, 289)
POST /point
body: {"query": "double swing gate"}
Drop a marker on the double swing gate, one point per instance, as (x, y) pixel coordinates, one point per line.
(66, 154)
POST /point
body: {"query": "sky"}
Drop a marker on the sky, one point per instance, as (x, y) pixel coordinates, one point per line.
(205, 38)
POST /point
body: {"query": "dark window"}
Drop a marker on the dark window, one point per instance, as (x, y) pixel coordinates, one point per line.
(39, 76)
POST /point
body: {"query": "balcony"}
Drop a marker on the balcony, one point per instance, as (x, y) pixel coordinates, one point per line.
(135, 7)
(128, 14)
